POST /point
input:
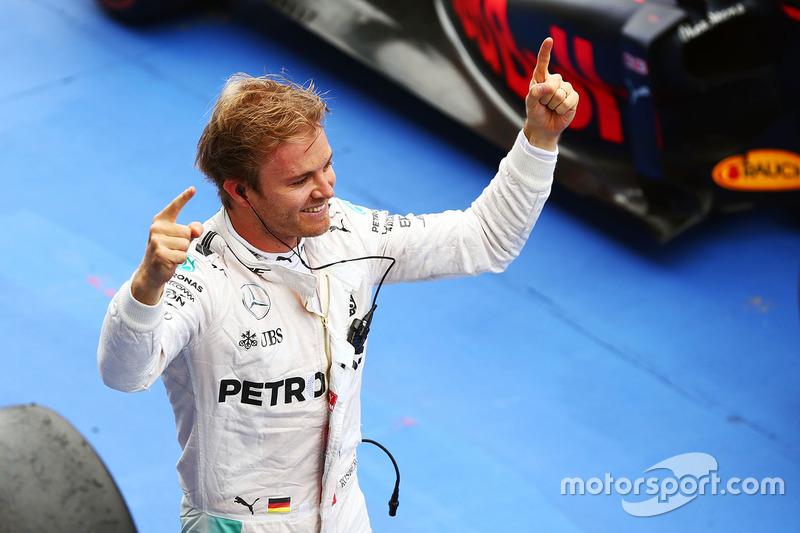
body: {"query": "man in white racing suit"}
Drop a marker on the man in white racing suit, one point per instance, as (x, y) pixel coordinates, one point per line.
(246, 317)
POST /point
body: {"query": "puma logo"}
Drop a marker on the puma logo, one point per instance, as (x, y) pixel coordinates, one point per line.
(340, 228)
(240, 501)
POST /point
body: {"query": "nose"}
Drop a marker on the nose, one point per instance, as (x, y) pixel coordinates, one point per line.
(324, 183)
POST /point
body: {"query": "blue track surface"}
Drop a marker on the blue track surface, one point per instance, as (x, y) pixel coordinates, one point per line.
(597, 352)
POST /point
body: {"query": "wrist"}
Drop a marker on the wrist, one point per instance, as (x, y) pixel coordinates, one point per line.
(537, 139)
(144, 291)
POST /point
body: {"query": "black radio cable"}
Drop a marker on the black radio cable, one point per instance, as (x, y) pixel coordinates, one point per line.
(357, 334)
(359, 329)
(394, 501)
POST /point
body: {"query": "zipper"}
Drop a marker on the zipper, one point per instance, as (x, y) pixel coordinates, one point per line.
(325, 303)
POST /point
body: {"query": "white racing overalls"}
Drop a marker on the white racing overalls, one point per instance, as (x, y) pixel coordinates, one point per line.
(263, 384)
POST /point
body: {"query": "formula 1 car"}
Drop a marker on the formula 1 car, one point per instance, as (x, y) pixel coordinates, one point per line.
(687, 106)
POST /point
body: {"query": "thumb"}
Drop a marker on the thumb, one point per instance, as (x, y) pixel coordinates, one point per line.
(197, 229)
(536, 92)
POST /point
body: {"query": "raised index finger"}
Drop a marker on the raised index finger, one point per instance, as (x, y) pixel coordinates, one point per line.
(172, 211)
(543, 61)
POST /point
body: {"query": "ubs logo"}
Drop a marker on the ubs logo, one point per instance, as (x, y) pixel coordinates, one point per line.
(256, 300)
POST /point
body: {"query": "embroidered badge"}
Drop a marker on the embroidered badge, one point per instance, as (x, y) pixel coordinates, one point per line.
(241, 501)
(256, 300)
(279, 505)
(332, 397)
(248, 340)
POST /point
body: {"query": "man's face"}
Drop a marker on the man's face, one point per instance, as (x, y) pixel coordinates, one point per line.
(296, 183)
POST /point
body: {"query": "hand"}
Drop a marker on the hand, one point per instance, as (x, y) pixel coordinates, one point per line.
(166, 250)
(550, 105)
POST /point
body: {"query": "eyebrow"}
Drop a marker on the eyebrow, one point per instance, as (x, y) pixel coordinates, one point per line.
(305, 174)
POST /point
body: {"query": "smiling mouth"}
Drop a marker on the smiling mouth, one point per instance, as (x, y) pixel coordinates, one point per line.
(314, 209)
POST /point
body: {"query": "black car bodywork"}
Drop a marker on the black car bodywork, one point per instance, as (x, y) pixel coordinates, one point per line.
(687, 106)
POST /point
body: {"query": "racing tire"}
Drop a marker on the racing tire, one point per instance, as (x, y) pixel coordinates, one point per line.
(145, 11)
(52, 478)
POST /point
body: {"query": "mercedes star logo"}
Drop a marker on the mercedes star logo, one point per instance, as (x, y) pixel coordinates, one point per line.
(256, 300)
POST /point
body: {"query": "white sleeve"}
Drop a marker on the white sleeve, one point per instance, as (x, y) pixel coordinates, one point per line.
(138, 341)
(486, 237)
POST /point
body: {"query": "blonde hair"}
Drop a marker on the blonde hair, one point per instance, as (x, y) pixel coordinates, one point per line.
(251, 119)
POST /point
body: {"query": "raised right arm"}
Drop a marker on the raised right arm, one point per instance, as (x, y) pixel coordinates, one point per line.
(156, 314)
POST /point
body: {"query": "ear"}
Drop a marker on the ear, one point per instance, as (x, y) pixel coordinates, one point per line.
(236, 190)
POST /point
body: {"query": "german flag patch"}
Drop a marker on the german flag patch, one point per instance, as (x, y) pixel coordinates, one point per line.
(279, 505)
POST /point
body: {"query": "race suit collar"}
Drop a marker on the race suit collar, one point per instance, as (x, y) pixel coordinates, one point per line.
(303, 282)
